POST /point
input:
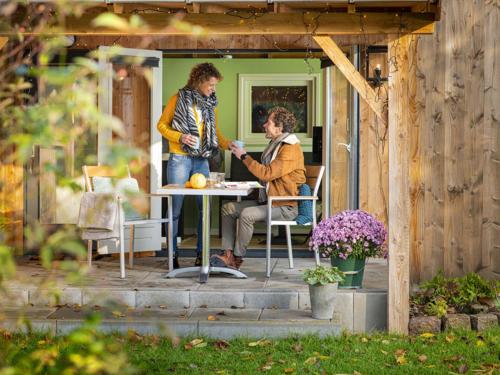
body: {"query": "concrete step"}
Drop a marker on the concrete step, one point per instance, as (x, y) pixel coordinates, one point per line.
(206, 322)
(356, 310)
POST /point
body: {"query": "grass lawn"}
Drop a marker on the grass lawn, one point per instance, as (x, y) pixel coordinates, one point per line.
(454, 352)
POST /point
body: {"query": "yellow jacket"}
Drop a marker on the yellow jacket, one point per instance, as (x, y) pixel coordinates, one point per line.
(174, 137)
(285, 173)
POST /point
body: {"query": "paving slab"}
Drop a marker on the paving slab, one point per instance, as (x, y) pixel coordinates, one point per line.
(225, 314)
(271, 299)
(207, 298)
(145, 327)
(270, 329)
(104, 296)
(119, 314)
(164, 298)
(287, 315)
(370, 311)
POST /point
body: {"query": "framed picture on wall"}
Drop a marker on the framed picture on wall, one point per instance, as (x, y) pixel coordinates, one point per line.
(299, 93)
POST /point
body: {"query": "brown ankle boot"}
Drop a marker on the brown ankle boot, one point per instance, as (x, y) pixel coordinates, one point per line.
(227, 258)
(238, 261)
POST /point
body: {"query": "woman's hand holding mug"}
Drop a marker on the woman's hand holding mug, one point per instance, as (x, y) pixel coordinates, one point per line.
(190, 140)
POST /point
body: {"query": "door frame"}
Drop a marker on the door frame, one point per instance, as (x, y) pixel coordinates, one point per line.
(105, 105)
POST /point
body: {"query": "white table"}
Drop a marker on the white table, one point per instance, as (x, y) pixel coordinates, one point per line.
(206, 193)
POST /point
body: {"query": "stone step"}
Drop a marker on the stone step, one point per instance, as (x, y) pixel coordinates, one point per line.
(206, 322)
(357, 310)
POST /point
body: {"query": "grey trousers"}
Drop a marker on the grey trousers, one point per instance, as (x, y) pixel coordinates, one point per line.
(248, 212)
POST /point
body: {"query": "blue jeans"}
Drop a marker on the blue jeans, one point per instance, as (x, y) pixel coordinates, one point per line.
(179, 169)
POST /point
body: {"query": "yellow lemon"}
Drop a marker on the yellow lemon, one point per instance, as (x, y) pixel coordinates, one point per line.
(198, 181)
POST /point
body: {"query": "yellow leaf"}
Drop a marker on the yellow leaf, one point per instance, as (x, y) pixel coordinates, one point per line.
(364, 339)
(449, 338)
(427, 335)
(311, 361)
(118, 314)
(480, 343)
(401, 360)
(261, 342)
(289, 370)
(386, 342)
(196, 342)
(212, 318)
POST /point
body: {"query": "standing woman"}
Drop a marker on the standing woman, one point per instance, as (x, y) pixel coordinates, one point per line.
(189, 123)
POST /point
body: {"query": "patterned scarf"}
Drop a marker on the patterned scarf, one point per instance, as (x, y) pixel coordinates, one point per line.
(184, 120)
(267, 157)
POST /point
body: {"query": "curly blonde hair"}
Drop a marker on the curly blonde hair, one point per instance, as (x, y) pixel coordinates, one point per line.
(201, 73)
(283, 118)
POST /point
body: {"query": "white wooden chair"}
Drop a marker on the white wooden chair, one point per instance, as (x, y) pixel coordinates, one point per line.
(89, 173)
(314, 175)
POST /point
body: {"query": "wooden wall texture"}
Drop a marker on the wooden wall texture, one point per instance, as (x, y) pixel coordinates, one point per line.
(454, 145)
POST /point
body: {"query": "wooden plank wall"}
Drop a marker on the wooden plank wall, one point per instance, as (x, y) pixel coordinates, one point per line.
(454, 174)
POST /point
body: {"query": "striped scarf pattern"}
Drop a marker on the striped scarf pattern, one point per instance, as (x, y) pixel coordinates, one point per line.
(184, 120)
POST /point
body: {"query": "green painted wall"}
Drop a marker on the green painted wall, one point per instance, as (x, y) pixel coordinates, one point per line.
(175, 75)
(176, 72)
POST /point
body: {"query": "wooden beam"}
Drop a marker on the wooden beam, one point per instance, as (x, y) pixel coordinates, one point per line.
(3, 41)
(399, 188)
(261, 24)
(353, 76)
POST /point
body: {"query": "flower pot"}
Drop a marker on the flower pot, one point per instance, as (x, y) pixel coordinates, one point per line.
(322, 300)
(353, 269)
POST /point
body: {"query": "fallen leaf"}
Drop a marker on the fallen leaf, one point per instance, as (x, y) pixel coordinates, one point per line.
(311, 360)
(261, 342)
(422, 358)
(162, 307)
(384, 352)
(196, 343)
(449, 338)
(400, 352)
(386, 342)
(364, 339)
(202, 306)
(289, 370)
(427, 335)
(282, 361)
(480, 343)
(297, 348)
(462, 369)
(401, 360)
(221, 344)
(222, 313)
(356, 373)
(118, 314)
(212, 318)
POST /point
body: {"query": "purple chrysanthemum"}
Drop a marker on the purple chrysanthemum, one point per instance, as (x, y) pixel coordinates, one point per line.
(349, 233)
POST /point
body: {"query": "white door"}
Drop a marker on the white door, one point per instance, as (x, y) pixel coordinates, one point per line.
(138, 103)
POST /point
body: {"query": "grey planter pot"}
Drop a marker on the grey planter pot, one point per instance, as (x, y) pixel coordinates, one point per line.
(322, 300)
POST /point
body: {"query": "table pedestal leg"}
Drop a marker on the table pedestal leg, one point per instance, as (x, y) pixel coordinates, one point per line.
(205, 254)
(205, 268)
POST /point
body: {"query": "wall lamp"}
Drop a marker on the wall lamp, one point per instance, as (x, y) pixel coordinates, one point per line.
(377, 78)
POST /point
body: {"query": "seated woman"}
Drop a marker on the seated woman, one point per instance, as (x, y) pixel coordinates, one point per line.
(281, 171)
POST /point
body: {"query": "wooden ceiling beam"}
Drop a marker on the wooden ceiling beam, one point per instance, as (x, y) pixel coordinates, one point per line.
(265, 24)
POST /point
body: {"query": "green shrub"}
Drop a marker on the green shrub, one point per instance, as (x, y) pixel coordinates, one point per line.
(441, 293)
(323, 275)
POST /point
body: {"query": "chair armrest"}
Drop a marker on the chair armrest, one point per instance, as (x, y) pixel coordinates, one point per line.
(292, 198)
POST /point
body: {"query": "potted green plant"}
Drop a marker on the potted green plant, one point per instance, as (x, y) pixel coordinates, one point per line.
(323, 284)
(348, 238)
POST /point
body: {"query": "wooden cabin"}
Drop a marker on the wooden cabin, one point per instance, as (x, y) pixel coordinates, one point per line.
(416, 145)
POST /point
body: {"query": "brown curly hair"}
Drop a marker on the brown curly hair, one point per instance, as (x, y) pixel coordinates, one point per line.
(201, 73)
(283, 118)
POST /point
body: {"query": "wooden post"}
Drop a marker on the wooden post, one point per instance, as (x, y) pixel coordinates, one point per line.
(399, 189)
